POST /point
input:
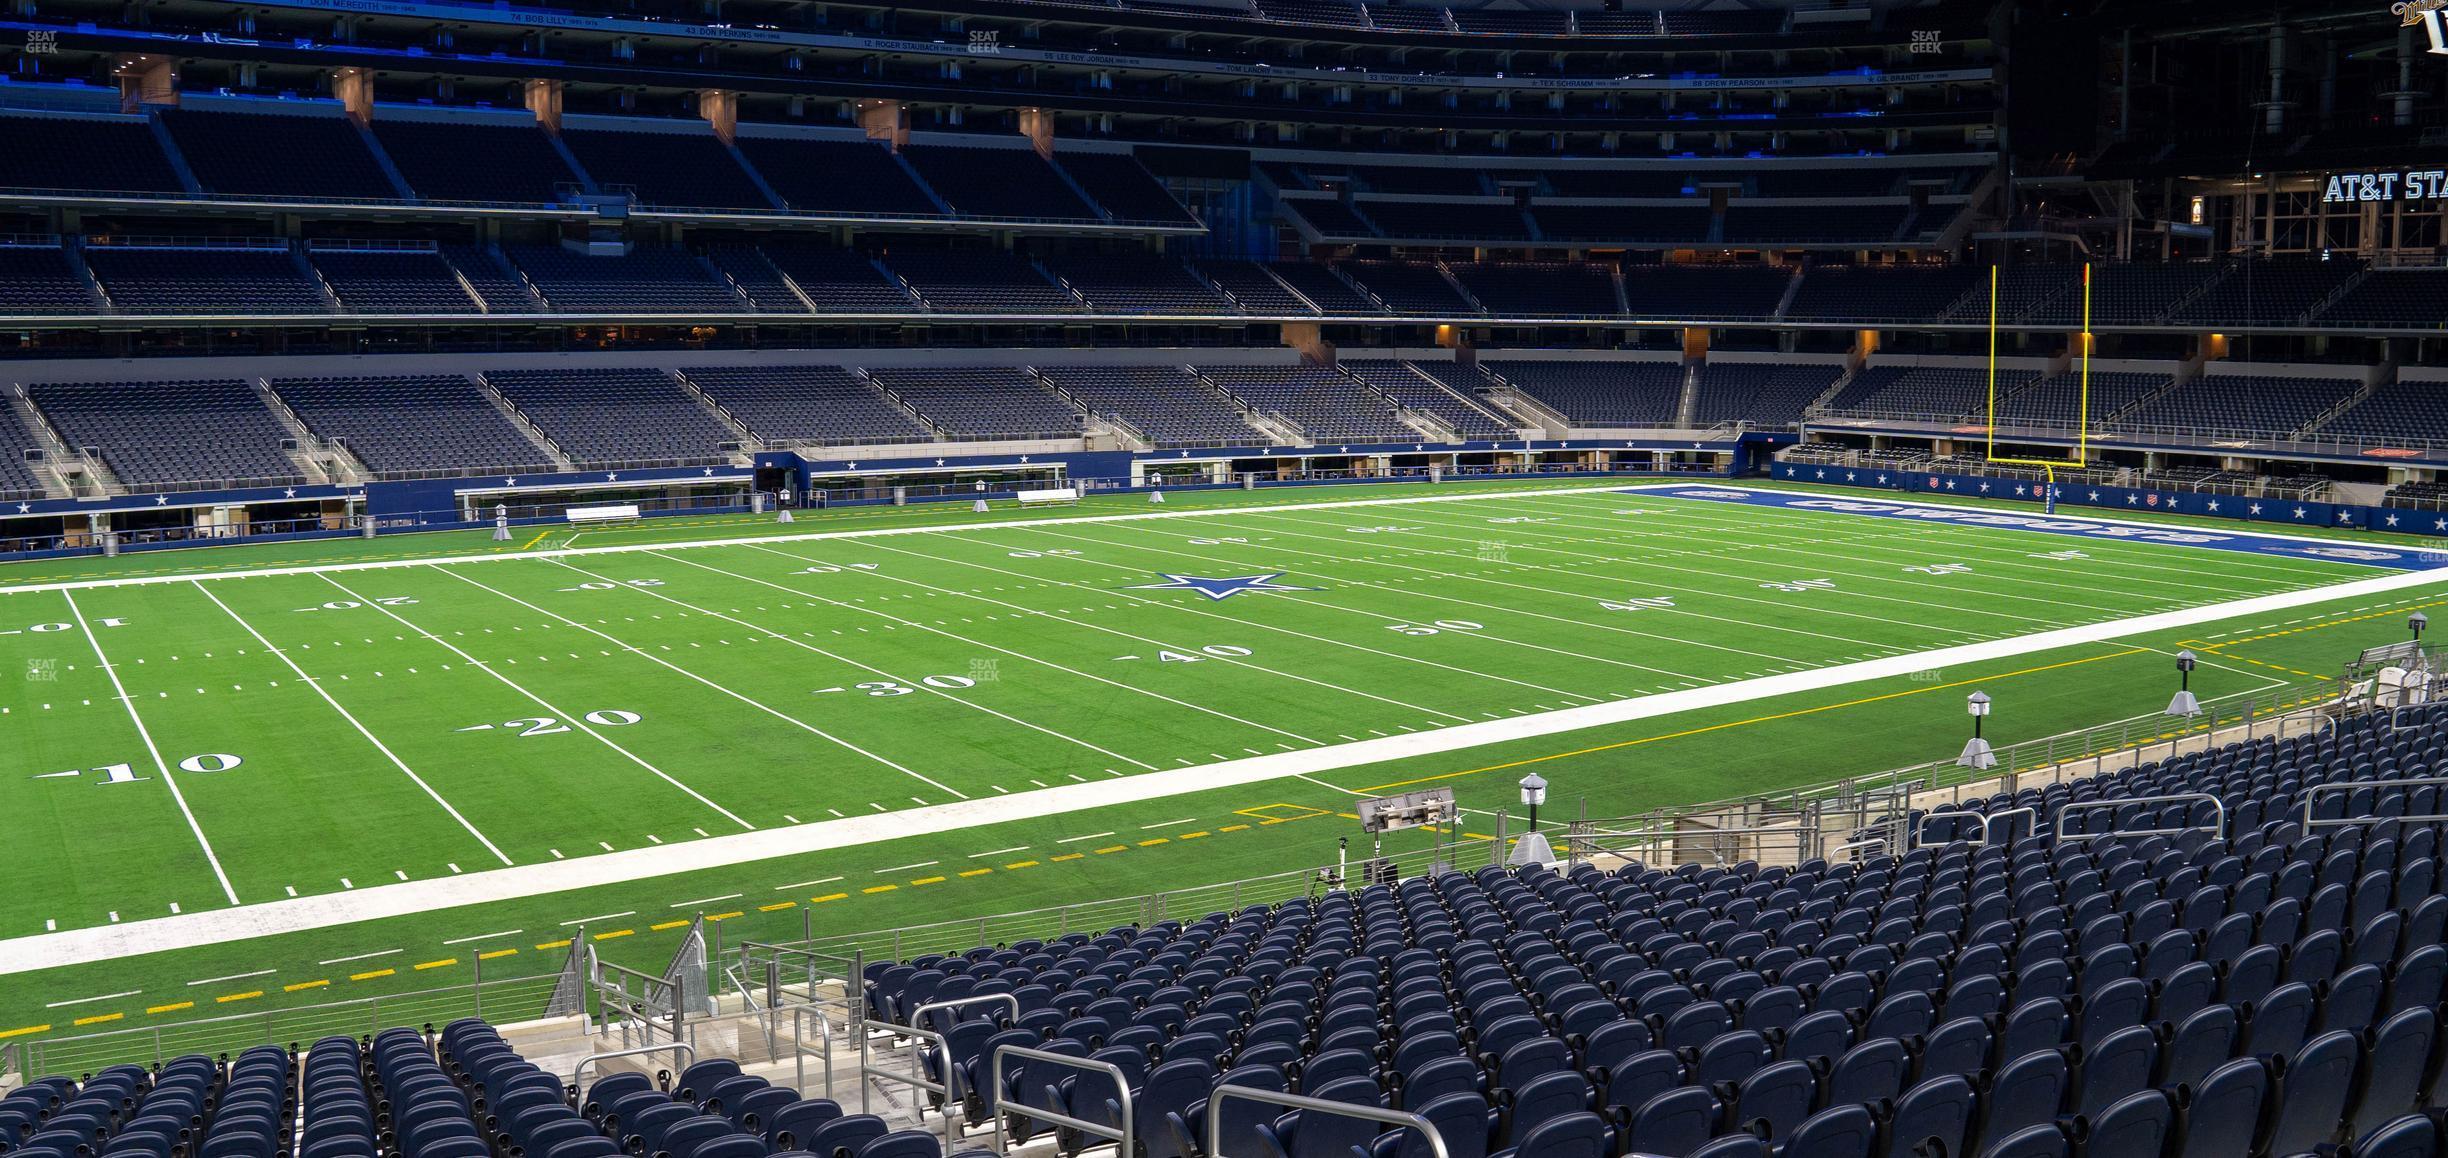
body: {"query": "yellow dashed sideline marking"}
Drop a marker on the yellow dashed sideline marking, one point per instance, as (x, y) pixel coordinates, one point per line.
(563, 944)
(977, 872)
(926, 881)
(443, 963)
(615, 933)
(879, 888)
(1113, 848)
(1192, 835)
(726, 916)
(775, 908)
(1021, 864)
(249, 995)
(371, 976)
(1069, 856)
(827, 897)
(1156, 841)
(1262, 813)
(99, 1018)
(497, 953)
(667, 926)
(173, 1007)
(26, 1030)
(1234, 828)
(303, 985)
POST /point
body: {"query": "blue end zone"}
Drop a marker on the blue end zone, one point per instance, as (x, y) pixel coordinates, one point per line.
(2363, 554)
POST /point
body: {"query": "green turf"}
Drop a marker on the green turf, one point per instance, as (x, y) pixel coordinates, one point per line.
(1417, 617)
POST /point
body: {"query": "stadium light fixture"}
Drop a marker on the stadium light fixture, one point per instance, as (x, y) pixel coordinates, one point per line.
(2185, 705)
(1976, 753)
(1533, 794)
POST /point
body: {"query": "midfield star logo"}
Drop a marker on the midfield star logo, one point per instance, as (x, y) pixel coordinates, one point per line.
(1220, 588)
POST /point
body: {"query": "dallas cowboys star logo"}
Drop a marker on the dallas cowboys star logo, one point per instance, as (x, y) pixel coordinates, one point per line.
(1219, 588)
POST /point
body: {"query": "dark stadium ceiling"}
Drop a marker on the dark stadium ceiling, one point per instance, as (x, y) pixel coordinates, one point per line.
(2158, 18)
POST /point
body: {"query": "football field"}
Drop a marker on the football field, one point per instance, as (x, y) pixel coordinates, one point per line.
(406, 735)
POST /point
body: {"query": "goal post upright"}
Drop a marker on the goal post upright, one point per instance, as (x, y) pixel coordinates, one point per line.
(2082, 413)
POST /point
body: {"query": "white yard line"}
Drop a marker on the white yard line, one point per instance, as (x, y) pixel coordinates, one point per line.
(1659, 490)
(273, 918)
(233, 977)
(1628, 487)
(1367, 613)
(1783, 608)
(539, 701)
(362, 730)
(738, 540)
(161, 766)
(90, 1000)
(914, 624)
(1904, 591)
(905, 681)
(1237, 621)
(483, 937)
(1056, 617)
(1903, 545)
(1390, 588)
(776, 713)
(1751, 627)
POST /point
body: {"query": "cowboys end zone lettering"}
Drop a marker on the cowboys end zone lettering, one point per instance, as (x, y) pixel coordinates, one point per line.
(2341, 552)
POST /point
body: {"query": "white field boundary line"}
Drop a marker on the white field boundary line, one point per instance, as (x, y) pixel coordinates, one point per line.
(161, 767)
(362, 730)
(809, 536)
(1659, 490)
(274, 918)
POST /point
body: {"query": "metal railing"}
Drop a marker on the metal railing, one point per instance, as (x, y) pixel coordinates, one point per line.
(2217, 826)
(2131, 739)
(512, 999)
(2348, 786)
(1122, 1137)
(947, 1089)
(1988, 825)
(680, 1048)
(902, 942)
(1308, 1105)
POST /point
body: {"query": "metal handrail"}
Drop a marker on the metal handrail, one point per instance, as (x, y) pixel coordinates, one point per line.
(919, 1014)
(1122, 1137)
(1215, 1116)
(677, 1046)
(1920, 830)
(1988, 834)
(2218, 826)
(917, 1075)
(2348, 785)
(824, 1033)
(1988, 825)
(918, 1017)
